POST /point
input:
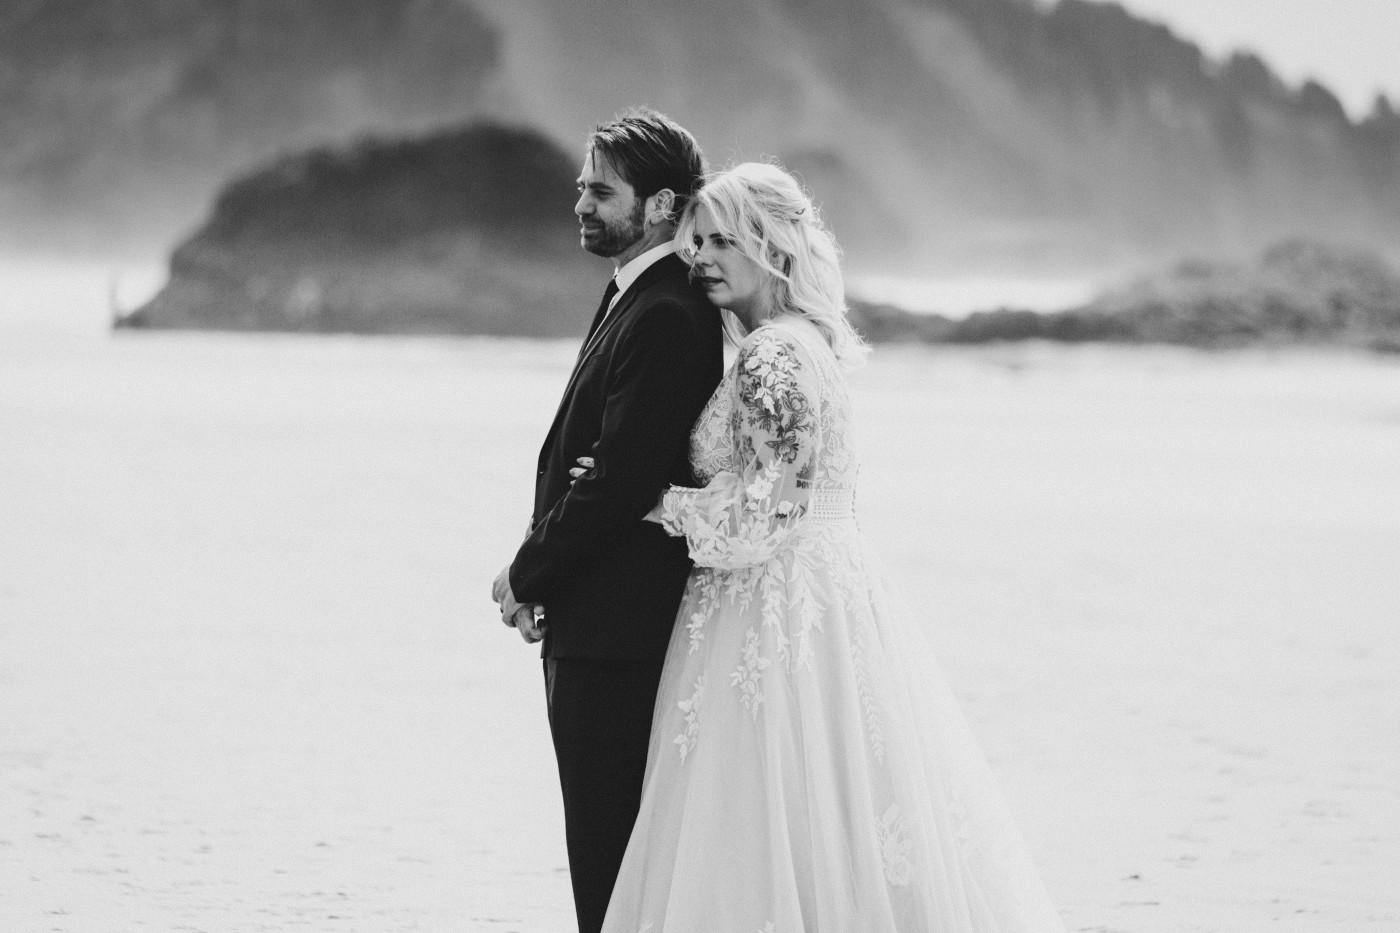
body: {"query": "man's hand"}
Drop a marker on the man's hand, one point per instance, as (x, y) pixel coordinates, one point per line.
(528, 619)
(530, 625)
(501, 593)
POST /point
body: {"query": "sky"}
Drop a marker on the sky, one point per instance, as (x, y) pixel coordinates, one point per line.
(1351, 46)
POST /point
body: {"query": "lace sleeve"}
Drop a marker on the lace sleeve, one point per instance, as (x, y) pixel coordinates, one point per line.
(741, 519)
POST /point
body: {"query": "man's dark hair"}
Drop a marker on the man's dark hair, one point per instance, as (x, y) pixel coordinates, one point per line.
(651, 151)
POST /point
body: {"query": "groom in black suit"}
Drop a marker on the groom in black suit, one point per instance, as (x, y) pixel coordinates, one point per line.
(611, 583)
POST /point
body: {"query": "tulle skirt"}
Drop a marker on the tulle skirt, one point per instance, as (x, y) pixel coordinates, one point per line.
(810, 772)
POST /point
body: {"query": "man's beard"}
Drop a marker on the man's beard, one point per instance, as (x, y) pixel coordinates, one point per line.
(615, 238)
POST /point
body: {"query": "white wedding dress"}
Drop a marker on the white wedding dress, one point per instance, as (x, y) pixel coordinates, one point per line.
(809, 769)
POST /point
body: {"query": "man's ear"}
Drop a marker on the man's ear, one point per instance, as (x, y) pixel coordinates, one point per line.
(660, 206)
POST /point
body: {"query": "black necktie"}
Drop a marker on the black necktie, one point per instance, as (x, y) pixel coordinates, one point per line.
(608, 294)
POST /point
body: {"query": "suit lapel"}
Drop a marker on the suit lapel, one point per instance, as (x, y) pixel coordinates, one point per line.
(608, 295)
(653, 273)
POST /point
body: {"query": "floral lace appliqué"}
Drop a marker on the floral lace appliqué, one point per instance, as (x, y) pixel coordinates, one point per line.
(860, 666)
(705, 584)
(776, 405)
(750, 671)
(893, 834)
(685, 742)
(711, 439)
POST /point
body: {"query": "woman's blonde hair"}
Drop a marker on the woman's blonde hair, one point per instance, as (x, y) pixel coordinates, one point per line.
(773, 222)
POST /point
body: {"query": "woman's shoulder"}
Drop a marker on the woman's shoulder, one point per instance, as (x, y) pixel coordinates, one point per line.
(767, 340)
(789, 330)
(784, 348)
(787, 335)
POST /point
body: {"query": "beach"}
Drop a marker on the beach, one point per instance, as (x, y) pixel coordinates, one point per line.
(251, 677)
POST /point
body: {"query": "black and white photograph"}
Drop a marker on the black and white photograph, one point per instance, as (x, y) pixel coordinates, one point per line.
(756, 466)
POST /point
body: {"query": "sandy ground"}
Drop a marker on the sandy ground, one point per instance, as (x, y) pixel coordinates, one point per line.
(250, 677)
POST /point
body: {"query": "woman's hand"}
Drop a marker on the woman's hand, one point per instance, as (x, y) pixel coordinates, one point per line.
(585, 464)
(657, 511)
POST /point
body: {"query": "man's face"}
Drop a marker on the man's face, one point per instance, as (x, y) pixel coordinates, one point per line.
(609, 212)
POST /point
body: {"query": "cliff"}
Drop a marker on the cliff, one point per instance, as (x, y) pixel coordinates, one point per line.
(459, 232)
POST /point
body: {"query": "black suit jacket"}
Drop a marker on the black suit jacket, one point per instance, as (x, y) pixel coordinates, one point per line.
(610, 582)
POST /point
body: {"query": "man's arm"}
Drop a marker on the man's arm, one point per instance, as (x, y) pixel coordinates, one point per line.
(646, 419)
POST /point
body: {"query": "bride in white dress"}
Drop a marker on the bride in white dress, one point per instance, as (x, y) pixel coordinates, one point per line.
(809, 770)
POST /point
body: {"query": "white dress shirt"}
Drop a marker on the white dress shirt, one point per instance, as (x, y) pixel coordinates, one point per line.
(629, 273)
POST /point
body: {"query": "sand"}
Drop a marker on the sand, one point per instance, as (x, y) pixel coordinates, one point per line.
(251, 679)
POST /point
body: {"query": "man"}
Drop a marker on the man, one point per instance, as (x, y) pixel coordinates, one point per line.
(611, 582)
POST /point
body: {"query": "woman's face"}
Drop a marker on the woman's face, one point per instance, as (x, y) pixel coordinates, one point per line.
(730, 279)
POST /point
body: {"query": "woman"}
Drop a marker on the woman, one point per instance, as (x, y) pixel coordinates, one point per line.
(808, 769)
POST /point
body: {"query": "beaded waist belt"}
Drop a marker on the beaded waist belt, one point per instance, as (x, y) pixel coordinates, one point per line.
(832, 505)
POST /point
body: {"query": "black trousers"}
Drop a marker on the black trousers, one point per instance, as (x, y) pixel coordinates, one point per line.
(600, 718)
